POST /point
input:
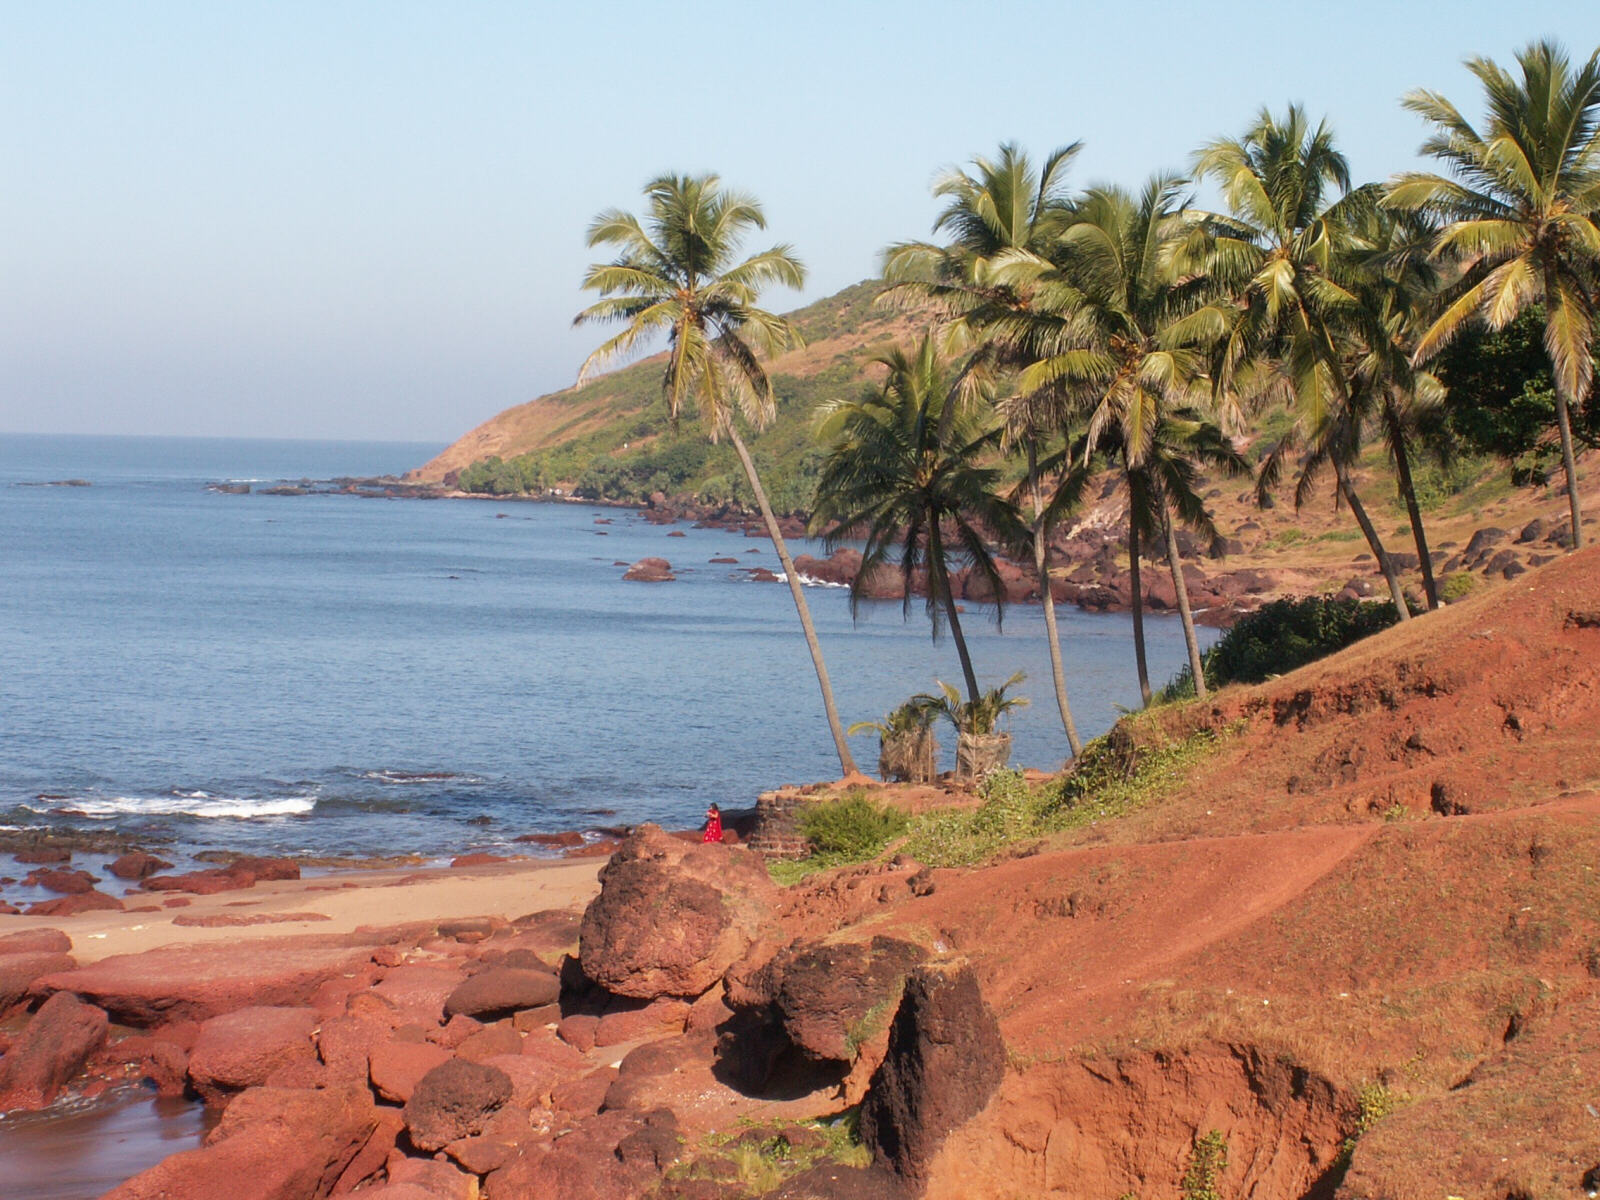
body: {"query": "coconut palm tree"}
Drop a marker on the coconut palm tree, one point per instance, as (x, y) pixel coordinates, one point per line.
(677, 273)
(906, 463)
(1282, 248)
(1121, 337)
(1001, 204)
(1522, 212)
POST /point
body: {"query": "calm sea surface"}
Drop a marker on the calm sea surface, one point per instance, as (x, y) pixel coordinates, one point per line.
(328, 675)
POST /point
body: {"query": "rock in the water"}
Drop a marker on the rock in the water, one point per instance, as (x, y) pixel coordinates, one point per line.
(272, 1144)
(136, 864)
(242, 1049)
(944, 1062)
(52, 1049)
(500, 991)
(650, 570)
(454, 1100)
(672, 916)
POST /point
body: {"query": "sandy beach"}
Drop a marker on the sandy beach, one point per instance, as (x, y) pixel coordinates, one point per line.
(338, 903)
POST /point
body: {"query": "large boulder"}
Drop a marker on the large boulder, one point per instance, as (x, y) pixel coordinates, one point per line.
(454, 1100)
(945, 1059)
(672, 916)
(271, 1144)
(501, 991)
(242, 1049)
(52, 1049)
(831, 999)
(196, 982)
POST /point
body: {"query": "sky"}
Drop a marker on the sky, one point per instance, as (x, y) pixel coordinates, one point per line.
(366, 220)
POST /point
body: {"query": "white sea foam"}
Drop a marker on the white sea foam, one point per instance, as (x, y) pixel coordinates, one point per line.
(813, 581)
(179, 804)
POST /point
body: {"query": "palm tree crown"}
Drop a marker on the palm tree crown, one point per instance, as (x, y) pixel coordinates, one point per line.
(677, 273)
(906, 462)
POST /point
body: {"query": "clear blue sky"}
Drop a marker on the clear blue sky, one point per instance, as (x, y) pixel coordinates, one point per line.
(366, 220)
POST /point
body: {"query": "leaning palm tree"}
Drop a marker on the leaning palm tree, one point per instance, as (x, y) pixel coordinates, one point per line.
(1120, 335)
(1522, 213)
(1283, 249)
(1002, 204)
(907, 462)
(677, 273)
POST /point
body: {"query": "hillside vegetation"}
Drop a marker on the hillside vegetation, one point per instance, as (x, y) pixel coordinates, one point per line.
(611, 439)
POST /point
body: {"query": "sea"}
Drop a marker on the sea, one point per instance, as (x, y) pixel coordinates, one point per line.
(326, 676)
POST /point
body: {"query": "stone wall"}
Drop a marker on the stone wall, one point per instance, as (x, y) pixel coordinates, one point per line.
(777, 829)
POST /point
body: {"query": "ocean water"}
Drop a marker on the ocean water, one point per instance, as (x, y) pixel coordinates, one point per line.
(327, 675)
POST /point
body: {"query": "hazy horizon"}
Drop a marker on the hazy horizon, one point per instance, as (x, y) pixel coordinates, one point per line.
(366, 221)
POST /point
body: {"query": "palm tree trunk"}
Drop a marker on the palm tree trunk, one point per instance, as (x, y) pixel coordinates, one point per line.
(1408, 492)
(1569, 464)
(939, 577)
(846, 763)
(1348, 491)
(1175, 562)
(1138, 610)
(1041, 553)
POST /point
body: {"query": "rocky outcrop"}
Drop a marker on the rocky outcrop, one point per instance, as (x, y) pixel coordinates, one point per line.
(18, 971)
(201, 981)
(237, 875)
(945, 1059)
(272, 1144)
(52, 1049)
(672, 916)
(611, 1156)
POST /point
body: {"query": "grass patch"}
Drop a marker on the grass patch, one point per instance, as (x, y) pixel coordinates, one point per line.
(1113, 777)
(1132, 766)
(761, 1164)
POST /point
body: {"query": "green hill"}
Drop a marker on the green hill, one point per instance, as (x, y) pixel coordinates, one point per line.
(611, 438)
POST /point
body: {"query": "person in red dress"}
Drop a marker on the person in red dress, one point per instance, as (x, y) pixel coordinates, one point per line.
(713, 824)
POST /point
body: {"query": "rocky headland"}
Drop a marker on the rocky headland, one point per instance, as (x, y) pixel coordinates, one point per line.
(1351, 951)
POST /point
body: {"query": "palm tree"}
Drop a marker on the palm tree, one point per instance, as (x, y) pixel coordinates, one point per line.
(677, 273)
(1398, 283)
(1283, 247)
(1522, 212)
(907, 462)
(1002, 204)
(1115, 331)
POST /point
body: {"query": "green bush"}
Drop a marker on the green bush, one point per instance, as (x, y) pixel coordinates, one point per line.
(851, 828)
(1456, 587)
(1283, 635)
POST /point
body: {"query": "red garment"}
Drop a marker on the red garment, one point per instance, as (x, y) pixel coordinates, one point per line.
(713, 828)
